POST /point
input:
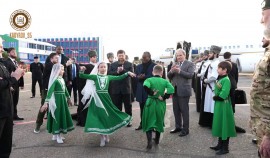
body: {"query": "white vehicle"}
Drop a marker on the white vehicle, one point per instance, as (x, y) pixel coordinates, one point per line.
(246, 56)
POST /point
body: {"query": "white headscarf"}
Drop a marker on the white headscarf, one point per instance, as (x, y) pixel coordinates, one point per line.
(54, 75)
(89, 91)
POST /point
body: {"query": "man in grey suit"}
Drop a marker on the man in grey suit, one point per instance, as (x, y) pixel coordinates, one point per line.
(181, 75)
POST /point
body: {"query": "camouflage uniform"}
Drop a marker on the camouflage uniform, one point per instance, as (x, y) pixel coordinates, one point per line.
(260, 99)
(260, 95)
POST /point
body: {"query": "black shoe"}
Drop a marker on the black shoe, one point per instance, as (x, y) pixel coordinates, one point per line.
(255, 141)
(157, 137)
(183, 133)
(79, 124)
(139, 128)
(225, 147)
(240, 130)
(32, 97)
(219, 145)
(18, 118)
(175, 130)
(149, 139)
(129, 125)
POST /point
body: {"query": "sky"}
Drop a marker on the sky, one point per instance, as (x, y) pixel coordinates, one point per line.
(142, 25)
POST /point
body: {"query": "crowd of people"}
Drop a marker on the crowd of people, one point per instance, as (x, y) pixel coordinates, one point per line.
(101, 89)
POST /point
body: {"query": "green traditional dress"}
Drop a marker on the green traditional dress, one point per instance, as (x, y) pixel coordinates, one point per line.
(223, 122)
(154, 109)
(108, 119)
(62, 122)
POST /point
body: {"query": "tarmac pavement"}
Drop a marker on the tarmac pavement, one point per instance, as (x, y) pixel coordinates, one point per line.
(127, 142)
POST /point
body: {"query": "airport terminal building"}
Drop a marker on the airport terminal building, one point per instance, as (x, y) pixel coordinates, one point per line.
(77, 47)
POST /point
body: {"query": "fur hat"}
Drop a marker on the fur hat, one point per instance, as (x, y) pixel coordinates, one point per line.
(265, 4)
(206, 52)
(110, 55)
(215, 49)
(136, 58)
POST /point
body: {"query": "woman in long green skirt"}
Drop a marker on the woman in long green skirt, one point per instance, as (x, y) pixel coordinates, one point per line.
(59, 118)
(103, 116)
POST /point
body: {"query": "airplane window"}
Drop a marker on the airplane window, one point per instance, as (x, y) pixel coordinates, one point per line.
(230, 47)
(246, 46)
(233, 47)
(238, 46)
(251, 46)
(225, 47)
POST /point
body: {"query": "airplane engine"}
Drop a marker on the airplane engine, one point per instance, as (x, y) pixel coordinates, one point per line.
(246, 62)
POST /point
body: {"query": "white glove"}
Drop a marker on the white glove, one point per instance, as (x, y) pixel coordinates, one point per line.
(199, 75)
(205, 80)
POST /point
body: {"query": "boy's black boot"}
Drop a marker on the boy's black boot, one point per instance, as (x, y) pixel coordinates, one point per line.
(219, 145)
(149, 139)
(225, 147)
(157, 137)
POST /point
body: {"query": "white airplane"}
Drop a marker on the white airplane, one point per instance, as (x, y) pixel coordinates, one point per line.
(246, 56)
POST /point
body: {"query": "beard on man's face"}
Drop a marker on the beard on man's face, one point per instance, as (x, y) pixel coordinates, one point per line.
(265, 44)
(13, 56)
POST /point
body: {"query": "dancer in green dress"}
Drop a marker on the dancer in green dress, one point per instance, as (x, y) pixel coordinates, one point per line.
(223, 123)
(155, 107)
(103, 116)
(57, 100)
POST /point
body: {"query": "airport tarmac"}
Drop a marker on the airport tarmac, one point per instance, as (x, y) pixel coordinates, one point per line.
(127, 142)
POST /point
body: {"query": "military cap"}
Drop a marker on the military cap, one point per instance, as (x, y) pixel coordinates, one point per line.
(266, 4)
(92, 53)
(206, 52)
(201, 55)
(6, 49)
(110, 55)
(136, 58)
(215, 49)
(35, 57)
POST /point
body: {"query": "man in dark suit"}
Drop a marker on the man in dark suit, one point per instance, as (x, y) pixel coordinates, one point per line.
(121, 90)
(64, 60)
(11, 65)
(37, 71)
(6, 106)
(54, 58)
(143, 71)
(181, 75)
(75, 68)
(82, 114)
(233, 75)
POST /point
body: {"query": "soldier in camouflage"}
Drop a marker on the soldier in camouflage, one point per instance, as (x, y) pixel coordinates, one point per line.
(260, 93)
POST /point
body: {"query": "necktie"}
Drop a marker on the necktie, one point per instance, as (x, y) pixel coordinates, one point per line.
(16, 64)
(180, 64)
(73, 71)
